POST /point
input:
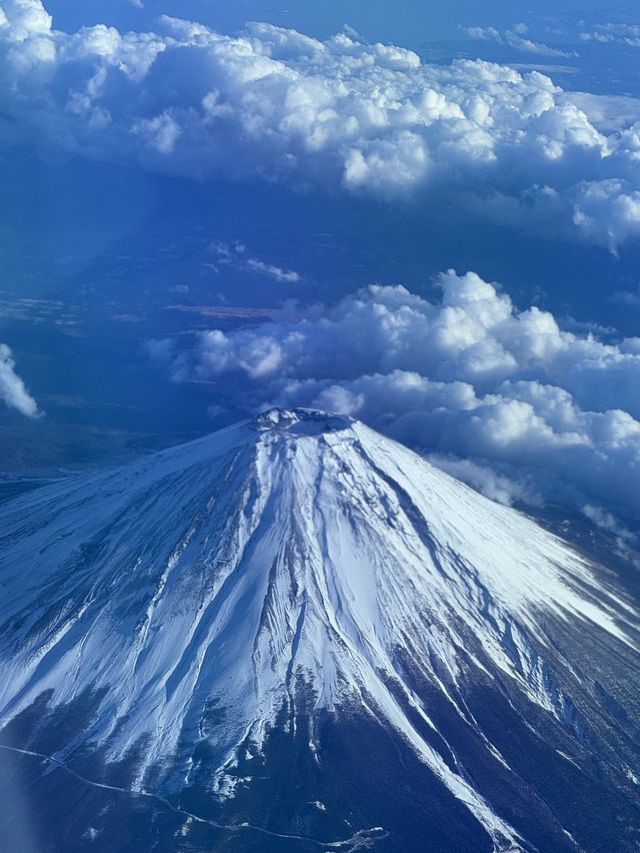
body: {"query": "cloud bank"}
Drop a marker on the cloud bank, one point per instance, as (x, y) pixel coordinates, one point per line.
(505, 399)
(338, 114)
(13, 391)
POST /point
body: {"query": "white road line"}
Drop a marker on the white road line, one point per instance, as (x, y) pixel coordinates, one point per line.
(363, 838)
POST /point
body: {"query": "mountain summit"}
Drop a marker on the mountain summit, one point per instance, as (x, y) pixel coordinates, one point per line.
(295, 634)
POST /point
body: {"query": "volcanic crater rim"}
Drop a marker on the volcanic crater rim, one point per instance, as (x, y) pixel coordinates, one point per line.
(299, 421)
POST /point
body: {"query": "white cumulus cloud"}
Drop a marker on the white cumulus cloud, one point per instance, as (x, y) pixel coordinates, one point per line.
(338, 114)
(535, 410)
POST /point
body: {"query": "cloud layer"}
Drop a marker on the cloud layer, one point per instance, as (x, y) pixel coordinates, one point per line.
(13, 391)
(276, 104)
(535, 411)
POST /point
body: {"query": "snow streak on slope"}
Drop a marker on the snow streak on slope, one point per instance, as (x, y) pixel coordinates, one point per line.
(292, 556)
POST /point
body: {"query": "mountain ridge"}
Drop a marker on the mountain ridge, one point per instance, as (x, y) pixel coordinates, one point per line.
(293, 568)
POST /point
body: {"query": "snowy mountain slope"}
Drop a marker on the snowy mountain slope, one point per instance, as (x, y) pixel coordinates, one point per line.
(301, 567)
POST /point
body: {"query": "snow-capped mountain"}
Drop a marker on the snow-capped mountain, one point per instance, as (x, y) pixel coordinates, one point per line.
(296, 634)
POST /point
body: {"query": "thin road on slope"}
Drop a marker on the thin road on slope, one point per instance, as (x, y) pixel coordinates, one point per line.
(363, 839)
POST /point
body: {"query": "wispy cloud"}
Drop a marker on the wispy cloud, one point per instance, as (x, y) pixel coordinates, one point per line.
(237, 256)
(516, 38)
(13, 390)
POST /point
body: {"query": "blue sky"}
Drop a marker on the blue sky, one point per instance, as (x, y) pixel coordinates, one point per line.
(409, 22)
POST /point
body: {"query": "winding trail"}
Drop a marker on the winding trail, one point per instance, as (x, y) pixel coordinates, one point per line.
(363, 839)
